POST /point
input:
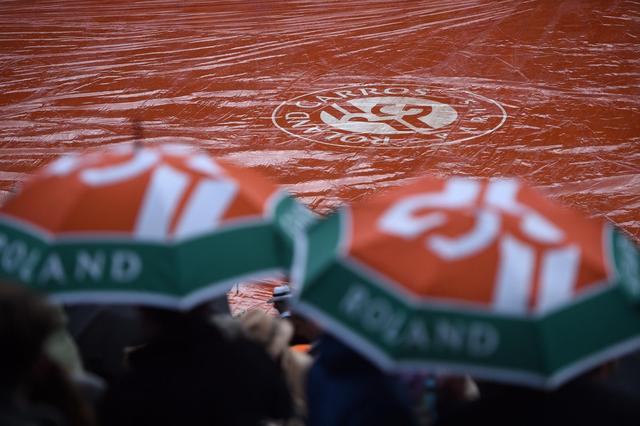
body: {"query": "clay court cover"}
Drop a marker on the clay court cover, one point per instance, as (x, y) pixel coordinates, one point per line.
(389, 116)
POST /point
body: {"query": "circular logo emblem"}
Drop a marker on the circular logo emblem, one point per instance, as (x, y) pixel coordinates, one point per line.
(389, 116)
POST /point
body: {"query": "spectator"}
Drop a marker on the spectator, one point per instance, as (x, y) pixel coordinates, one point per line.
(305, 332)
(344, 389)
(34, 390)
(274, 335)
(190, 373)
(280, 300)
(587, 400)
(102, 332)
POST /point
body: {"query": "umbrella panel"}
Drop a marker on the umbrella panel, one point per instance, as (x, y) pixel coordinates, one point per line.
(98, 268)
(400, 330)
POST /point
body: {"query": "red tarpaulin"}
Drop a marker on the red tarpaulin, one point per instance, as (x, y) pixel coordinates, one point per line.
(337, 100)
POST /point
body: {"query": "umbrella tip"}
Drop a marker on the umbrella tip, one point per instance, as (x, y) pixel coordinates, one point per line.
(138, 133)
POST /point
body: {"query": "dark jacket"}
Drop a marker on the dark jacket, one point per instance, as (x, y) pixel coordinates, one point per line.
(102, 333)
(14, 412)
(583, 402)
(193, 375)
(344, 389)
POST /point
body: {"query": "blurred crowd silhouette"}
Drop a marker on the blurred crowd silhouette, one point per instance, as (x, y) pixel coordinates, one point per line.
(117, 365)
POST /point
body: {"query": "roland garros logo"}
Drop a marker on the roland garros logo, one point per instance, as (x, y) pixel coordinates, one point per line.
(389, 116)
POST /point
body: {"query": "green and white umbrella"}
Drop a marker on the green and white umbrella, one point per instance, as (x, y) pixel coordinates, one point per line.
(481, 277)
(167, 226)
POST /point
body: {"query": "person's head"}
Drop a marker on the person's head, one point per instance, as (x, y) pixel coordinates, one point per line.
(158, 321)
(280, 299)
(26, 320)
(273, 334)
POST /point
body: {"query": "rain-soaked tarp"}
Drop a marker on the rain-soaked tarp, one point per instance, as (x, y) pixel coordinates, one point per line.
(337, 100)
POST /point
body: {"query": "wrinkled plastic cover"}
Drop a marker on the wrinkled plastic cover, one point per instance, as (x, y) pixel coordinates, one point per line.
(548, 91)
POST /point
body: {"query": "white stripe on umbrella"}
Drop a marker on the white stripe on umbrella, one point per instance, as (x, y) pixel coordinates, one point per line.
(559, 269)
(515, 277)
(208, 203)
(160, 202)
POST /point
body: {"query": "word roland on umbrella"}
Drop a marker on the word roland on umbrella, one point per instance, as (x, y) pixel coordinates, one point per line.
(165, 226)
(482, 277)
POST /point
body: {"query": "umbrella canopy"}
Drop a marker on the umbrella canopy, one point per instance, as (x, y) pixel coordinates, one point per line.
(164, 226)
(485, 277)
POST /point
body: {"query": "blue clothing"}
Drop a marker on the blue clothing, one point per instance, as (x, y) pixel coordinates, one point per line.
(345, 389)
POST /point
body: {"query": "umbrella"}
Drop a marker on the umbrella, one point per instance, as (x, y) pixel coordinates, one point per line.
(482, 277)
(164, 226)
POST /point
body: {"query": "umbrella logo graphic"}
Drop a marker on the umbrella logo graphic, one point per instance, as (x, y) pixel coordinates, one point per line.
(158, 212)
(514, 281)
